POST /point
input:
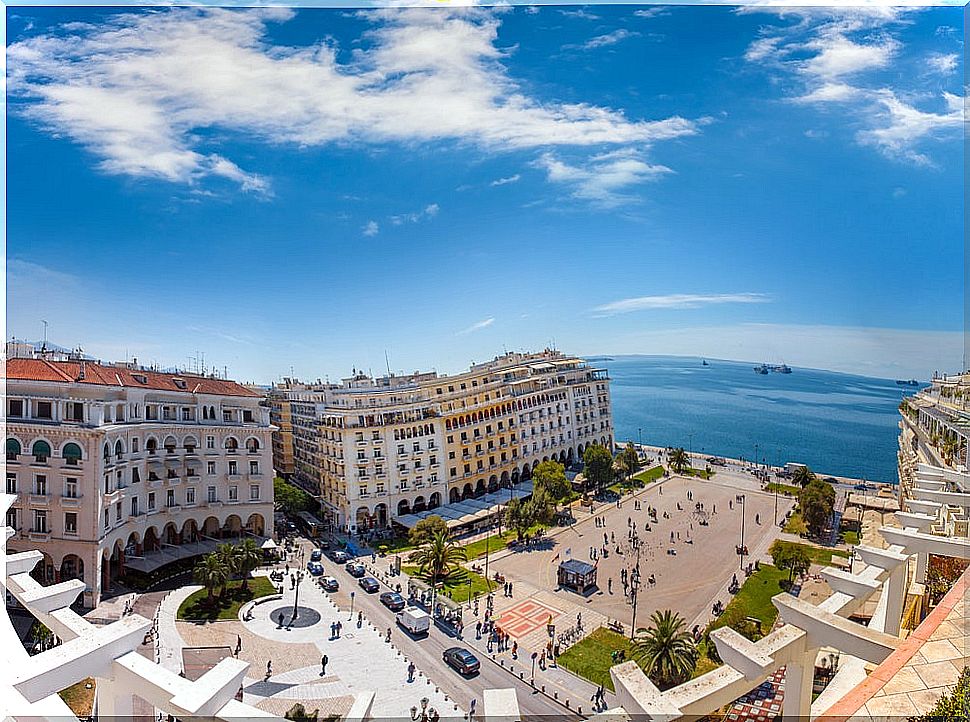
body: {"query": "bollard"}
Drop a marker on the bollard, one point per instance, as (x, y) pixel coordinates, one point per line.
(555, 694)
(543, 689)
(521, 675)
(579, 710)
(567, 703)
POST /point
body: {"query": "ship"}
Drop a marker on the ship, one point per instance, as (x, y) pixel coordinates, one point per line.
(704, 362)
(781, 369)
(762, 369)
(904, 382)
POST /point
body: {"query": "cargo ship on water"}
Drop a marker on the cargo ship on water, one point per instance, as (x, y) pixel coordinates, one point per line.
(765, 369)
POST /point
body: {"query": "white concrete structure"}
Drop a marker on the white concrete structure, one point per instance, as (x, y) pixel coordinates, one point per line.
(116, 466)
(377, 448)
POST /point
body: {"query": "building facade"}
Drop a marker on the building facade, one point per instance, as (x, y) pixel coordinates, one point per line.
(116, 467)
(372, 449)
(281, 417)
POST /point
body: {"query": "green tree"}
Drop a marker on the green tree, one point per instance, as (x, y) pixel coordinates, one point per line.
(439, 557)
(518, 517)
(666, 650)
(248, 557)
(815, 503)
(792, 557)
(291, 498)
(802, 476)
(425, 529)
(629, 460)
(597, 466)
(953, 706)
(212, 573)
(678, 459)
(298, 713)
(550, 476)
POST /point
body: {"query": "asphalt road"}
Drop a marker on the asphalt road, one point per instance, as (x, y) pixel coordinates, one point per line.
(426, 653)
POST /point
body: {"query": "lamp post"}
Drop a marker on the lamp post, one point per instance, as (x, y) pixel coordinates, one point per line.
(634, 576)
(469, 593)
(533, 680)
(296, 598)
(353, 594)
(425, 714)
(740, 499)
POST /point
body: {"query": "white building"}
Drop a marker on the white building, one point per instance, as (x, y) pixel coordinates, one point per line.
(116, 467)
(376, 449)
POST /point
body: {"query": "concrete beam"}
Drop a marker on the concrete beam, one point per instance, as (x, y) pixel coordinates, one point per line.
(360, 709)
(852, 584)
(91, 655)
(638, 695)
(737, 651)
(923, 506)
(954, 498)
(55, 596)
(500, 705)
(826, 629)
(23, 562)
(213, 689)
(917, 542)
(887, 559)
(915, 520)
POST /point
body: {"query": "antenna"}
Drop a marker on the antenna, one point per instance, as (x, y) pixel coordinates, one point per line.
(387, 363)
(44, 347)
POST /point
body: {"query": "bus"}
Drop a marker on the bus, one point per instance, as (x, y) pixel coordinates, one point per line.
(310, 524)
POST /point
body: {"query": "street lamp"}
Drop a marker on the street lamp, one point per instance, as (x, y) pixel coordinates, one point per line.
(634, 576)
(353, 594)
(740, 499)
(425, 714)
(533, 680)
(469, 593)
(296, 598)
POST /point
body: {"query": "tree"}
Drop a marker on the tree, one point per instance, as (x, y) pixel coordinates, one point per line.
(425, 529)
(248, 558)
(439, 557)
(679, 461)
(802, 476)
(597, 466)
(816, 502)
(792, 557)
(212, 573)
(666, 650)
(518, 517)
(629, 460)
(229, 554)
(298, 713)
(550, 476)
(291, 498)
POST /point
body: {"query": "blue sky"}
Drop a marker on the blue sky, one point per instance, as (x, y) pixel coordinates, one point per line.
(306, 189)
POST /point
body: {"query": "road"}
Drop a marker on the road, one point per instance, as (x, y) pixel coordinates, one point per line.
(426, 653)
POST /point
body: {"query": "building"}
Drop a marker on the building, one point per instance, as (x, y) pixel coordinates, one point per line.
(935, 425)
(280, 416)
(117, 467)
(378, 449)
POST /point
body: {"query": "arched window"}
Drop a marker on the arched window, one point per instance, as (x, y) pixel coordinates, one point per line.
(13, 449)
(134, 445)
(106, 451)
(189, 443)
(252, 444)
(231, 443)
(41, 451)
(151, 445)
(119, 448)
(170, 444)
(71, 453)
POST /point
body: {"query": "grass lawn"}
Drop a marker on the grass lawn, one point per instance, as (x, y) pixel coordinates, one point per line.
(592, 657)
(197, 608)
(397, 545)
(78, 698)
(699, 473)
(755, 598)
(795, 524)
(782, 489)
(637, 481)
(850, 537)
(496, 542)
(456, 587)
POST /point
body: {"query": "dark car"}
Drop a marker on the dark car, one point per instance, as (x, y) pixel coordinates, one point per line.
(461, 660)
(323, 544)
(315, 568)
(329, 584)
(355, 569)
(316, 555)
(393, 601)
(338, 556)
(369, 584)
(831, 480)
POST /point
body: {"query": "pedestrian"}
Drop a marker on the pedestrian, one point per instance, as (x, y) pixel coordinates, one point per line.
(478, 630)
(609, 583)
(340, 626)
(515, 650)
(238, 644)
(269, 669)
(411, 669)
(388, 634)
(510, 589)
(323, 664)
(360, 620)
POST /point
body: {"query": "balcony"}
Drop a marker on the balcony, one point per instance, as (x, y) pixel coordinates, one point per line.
(156, 483)
(39, 499)
(71, 502)
(234, 477)
(39, 536)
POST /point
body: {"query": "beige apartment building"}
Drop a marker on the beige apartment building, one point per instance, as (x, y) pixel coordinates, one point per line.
(116, 467)
(378, 449)
(281, 417)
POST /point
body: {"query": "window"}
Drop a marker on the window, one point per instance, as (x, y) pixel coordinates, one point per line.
(15, 407)
(11, 483)
(247, 416)
(170, 498)
(376, 435)
(118, 511)
(417, 446)
(211, 494)
(13, 449)
(70, 522)
(41, 451)
(134, 506)
(151, 500)
(454, 471)
(71, 453)
(44, 410)
(74, 411)
(210, 468)
(40, 521)
(135, 476)
(12, 518)
(40, 485)
(253, 467)
(134, 445)
(210, 442)
(233, 468)
(233, 493)
(190, 495)
(70, 488)
(361, 454)
(107, 518)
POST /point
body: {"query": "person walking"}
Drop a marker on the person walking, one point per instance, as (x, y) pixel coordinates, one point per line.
(323, 664)
(238, 644)
(269, 669)
(360, 620)
(411, 669)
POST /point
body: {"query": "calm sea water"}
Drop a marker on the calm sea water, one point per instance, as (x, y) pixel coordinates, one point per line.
(836, 423)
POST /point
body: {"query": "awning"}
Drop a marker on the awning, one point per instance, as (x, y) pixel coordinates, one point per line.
(269, 544)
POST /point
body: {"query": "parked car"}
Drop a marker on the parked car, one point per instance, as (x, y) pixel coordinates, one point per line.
(323, 544)
(315, 568)
(330, 584)
(368, 584)
(415, 620)
(316, 555)
(393, 601)
(461, 660)
(355, 569)
(339, 556)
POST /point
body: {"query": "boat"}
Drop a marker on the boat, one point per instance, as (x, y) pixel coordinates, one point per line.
(704, 362)
(781, 369)
(910, 382)
(762, 369)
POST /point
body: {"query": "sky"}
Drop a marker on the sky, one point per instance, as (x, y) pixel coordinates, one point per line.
(300, 192)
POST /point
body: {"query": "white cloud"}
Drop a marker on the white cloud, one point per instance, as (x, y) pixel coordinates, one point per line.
(677, 301)
(371, 228)
(604, 178)
(830, 93)
(426, 213)
(658, 11)
(582, 13)
(602, 41)
(838, 56)
(505, 181)
(144, 91)
(943, 63)
(904, 125)
(485, 323)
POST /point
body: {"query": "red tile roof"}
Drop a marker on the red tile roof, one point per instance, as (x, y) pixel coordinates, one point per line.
(26, 369)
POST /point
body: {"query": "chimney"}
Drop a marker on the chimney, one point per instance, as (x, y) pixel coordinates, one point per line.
(80, 375)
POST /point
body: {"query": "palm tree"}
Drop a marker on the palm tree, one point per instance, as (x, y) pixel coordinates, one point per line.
(678, 459)
(212, 573)
(248, 557)
(803, 476)
(229, 555)
(666, 650)
(439, 557)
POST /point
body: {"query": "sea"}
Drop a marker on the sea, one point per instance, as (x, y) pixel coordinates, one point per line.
(836, 423)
